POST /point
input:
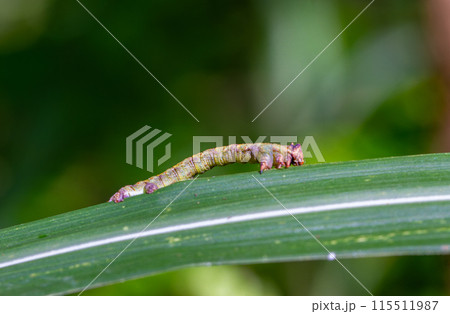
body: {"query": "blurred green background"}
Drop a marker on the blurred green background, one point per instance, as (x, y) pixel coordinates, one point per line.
(70, 95)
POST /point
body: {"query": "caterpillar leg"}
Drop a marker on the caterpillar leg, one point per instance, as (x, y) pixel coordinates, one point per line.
(265, 158)
(295, 154)
(280, 161)
(265, 165)
(279, 157)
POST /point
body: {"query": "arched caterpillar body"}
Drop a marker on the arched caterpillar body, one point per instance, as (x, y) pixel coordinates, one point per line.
(266, 154)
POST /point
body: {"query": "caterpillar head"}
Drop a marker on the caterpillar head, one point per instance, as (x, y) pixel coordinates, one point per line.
(295, 152)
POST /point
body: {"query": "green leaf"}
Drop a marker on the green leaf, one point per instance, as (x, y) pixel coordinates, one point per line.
(381, 207)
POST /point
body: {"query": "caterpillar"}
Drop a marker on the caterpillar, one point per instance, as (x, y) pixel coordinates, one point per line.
(266, 154)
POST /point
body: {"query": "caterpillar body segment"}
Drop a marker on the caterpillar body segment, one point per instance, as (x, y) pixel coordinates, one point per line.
(266, 154)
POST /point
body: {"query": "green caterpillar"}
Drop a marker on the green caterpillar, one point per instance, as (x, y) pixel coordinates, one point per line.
(266, 154)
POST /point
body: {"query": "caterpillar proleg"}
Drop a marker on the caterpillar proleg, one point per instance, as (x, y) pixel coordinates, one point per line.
(266, 154)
